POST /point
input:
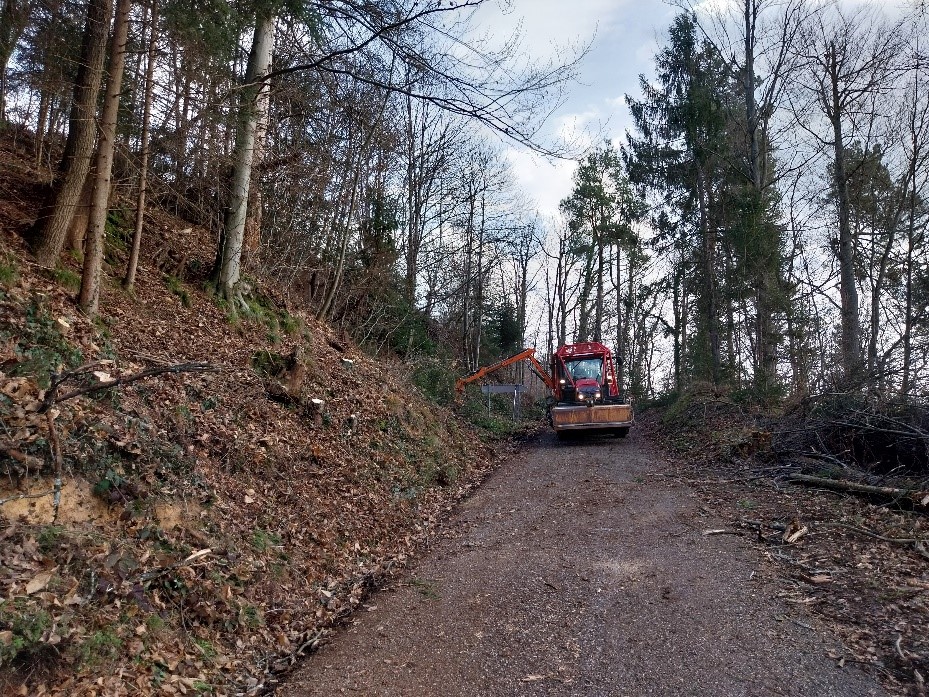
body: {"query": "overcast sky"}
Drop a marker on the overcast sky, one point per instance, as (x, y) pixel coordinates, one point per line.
(625, 35)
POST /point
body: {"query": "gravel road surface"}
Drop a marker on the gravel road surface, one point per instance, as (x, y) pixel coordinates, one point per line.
(577, 569)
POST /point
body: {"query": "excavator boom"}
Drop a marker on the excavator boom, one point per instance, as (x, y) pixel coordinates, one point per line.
(527, 354)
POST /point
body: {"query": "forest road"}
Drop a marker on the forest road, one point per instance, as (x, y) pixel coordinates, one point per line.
(577, 569)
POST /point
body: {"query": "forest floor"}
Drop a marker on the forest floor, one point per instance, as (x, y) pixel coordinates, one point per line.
(856, 566)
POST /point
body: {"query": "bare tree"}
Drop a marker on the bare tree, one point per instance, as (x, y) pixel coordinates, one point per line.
(132, 265)
(255, 88)
(93, 253)
(847, 58)
(14, 18)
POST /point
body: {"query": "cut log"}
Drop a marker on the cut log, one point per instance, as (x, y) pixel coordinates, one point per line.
(919, 499)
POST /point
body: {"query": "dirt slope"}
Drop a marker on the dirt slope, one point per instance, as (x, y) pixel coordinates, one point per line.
(210, 527)
(575, 571)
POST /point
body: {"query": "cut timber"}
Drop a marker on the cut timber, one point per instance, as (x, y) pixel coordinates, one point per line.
(919, 499)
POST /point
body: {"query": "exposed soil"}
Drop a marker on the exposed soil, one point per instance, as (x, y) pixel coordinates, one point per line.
(583, 568)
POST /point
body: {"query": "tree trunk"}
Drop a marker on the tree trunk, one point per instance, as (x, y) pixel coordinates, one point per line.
(583, 324)
(629, 345)
(89, 298)
(677, 304)
(851, 331)
(259, 62)
(479, 288)
(50, 230)
(622, 320)
(80, 219)
(41, 121)
(132, 266)
(253, 221)
(333, 288)
(466, 294)
(709, 271)
(598, 311)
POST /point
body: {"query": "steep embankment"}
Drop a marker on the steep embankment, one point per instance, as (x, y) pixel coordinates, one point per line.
(212, 523)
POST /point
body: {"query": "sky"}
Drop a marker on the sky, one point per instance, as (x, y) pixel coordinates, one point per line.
(624, 37)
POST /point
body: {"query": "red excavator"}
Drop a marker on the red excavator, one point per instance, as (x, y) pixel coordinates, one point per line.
(585, 394)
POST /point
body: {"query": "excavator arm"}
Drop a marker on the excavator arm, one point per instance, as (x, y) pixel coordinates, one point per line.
(527, 354)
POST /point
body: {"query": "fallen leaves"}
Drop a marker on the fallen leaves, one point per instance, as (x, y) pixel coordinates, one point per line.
(234, 530)
(39, 582)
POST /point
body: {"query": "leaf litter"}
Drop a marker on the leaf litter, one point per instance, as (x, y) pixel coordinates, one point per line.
(218, 533)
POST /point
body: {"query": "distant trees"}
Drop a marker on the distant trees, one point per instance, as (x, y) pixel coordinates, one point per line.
(846, 61)
(773, 140)
(678, 160)
(338, 146)
(601, 214)
(14, 17)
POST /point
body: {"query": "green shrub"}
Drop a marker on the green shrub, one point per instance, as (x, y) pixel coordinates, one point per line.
(9, 272)
(67, 278)
(176, 287)
(263, 540)
(118, 232)
(27, 623)
(41, 347)
(435, 380)
(102, 644)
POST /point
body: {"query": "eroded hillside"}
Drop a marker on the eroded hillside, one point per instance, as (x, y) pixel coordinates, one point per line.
(216, 518)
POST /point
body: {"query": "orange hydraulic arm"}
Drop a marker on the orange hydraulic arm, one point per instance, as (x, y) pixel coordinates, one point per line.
(527, 354)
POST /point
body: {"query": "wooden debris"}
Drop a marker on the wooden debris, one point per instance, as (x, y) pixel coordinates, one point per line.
(919, 499)
(794, 532)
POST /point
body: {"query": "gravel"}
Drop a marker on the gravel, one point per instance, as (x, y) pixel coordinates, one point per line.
(575, 570)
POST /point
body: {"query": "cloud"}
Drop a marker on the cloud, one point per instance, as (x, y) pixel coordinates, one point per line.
(626, 36)
(544, 181)
(544, 23)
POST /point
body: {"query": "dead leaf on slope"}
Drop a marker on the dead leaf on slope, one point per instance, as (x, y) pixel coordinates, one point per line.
(39, 581)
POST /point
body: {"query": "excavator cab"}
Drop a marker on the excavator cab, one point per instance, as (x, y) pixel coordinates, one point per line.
(586, 369)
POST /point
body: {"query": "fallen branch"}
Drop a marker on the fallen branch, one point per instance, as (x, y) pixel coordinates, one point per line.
(899, 648)
(876, 536)
(739, 480)
(919, 544)
(17, 497)
(51, 396)
(16, 454)
(920, 499)
(161, 570)
(56, 458)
